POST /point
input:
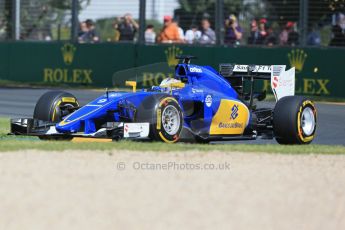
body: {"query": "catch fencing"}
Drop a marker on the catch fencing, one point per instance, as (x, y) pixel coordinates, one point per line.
(258, 22)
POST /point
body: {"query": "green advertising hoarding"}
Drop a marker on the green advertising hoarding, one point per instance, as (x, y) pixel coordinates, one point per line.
(64, 63)
(319, 71)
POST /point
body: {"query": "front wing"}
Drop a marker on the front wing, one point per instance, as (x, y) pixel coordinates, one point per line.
(112, 130)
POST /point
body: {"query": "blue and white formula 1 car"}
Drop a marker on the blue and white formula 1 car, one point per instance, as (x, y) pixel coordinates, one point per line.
(198, 102)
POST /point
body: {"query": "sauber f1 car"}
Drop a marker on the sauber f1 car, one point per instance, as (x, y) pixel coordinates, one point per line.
(198, 103)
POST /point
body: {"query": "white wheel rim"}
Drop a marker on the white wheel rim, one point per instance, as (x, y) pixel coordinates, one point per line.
(171, 120)
(308, 121)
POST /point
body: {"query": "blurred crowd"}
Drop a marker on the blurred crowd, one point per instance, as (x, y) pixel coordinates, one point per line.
(87, 32)
(262, 32)
(171, 32)
(338, 31)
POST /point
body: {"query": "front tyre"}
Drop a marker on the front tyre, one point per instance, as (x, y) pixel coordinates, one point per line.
(294, 120)
(164, 115)
(52, 107)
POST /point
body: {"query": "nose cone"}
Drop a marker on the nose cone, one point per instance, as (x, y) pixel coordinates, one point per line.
(68, 125)
(91, 111)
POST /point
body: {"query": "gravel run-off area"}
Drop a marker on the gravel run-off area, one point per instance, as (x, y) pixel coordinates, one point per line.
(133, 190)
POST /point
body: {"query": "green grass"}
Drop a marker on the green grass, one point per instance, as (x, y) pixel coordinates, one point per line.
(12, 143)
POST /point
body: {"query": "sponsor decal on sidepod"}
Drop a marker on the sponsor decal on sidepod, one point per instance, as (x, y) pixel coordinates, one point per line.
(208, 100)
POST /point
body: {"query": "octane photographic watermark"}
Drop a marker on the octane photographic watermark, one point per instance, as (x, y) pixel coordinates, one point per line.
(172, 166)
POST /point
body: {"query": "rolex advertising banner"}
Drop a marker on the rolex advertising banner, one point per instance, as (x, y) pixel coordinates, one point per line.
(64, 63)
(319, 71)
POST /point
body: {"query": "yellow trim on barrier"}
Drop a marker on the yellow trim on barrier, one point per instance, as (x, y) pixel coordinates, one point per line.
(86, 139)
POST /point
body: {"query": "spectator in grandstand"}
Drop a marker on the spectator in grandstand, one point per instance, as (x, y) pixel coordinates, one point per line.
(180, 30)
(208, 36)
(150, 34)
(192, 35)
(127, 28)
(115, 27)
(3, 32)
(258, 34)
(82, 32)
(338, 31)
(170, 32)
(338, 37)
(254, 32)
(284, 35)
(87, 32)
(271, 39)
(263, 34)
(341, 21)
(233, 32)
(293, 38)
(91, 35)
(314, 37)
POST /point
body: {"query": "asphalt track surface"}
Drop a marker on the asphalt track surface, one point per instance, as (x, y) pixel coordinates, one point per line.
(20, 102)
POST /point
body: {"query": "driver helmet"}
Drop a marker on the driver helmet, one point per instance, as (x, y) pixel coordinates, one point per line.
(165, 84)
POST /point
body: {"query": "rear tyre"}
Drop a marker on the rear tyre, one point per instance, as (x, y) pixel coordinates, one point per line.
(164, 115)
(52, 107)
(294, 120)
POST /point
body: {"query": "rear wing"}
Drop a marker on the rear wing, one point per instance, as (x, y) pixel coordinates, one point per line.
(282, 80)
